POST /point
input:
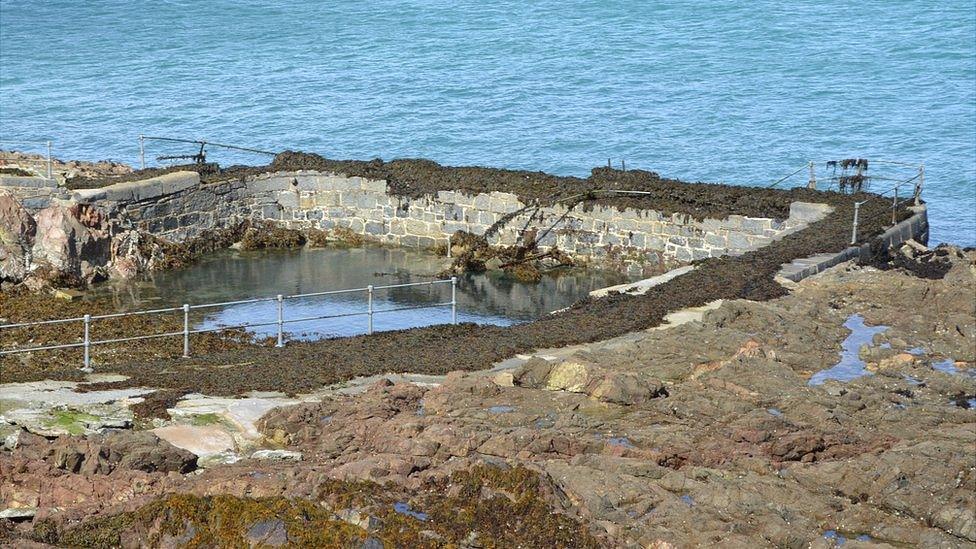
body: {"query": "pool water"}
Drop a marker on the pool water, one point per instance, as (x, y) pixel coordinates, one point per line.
(485, 298)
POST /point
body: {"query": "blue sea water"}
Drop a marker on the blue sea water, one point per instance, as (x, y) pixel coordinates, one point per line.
(737, 92)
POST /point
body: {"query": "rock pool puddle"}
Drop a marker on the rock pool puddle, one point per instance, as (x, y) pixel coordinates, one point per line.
(840, 539)
(404, 509)
(850, 366)
(227, 276)
(948, 366)
(502, 409)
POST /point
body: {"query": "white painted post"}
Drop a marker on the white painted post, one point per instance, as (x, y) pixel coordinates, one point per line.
(186, 331)
(453, 300)
(857, 208)
(49, 171)
(812, 184)
(142, 152)
(87, 341)
(369, 308)
(281, 321)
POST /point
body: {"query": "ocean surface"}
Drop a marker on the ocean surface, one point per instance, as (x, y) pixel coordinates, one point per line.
(736, 92)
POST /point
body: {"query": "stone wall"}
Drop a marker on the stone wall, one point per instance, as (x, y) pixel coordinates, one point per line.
(175, 206)
(640, 242)
(34, 193)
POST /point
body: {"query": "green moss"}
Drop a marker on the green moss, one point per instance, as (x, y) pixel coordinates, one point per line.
(205, 419)
(72, 421)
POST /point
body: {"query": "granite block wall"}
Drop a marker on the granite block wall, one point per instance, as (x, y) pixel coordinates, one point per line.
(641, 242)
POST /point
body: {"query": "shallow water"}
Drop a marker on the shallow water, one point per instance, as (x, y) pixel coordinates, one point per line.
(850, 366)
(741, 92)
(488, 298)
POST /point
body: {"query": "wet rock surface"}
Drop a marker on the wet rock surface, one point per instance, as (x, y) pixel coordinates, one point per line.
(702, 434)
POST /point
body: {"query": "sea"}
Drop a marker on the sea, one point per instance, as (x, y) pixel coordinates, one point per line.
(719, 91)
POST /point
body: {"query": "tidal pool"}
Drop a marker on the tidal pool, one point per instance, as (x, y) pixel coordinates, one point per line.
(487, 298)
(850, 366)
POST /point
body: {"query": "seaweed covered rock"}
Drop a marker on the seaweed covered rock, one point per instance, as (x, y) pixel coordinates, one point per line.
(270, 236)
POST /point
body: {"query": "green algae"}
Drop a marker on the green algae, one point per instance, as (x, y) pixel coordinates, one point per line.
(71, 421)
(205, 419)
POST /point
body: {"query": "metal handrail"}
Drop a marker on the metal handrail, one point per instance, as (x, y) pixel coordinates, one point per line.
(87, 341)
(49, 160)
(203, 144)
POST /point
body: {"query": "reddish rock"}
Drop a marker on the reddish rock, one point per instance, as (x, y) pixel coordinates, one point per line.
(17, 231)
(73, 239)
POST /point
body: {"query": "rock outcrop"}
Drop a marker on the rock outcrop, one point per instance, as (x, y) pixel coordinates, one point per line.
(17, 230)
(73, 239)
(103, 454)
(69, 244)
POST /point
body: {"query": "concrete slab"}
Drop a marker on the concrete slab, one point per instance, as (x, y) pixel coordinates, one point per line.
(642, 286)
(202, 440)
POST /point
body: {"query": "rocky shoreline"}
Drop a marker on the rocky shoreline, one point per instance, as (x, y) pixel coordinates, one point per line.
(720, 405)
(650, 439)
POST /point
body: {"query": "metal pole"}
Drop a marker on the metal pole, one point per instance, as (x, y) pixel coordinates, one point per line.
(813, 177)
(369, 308)
(186, 331)
(857, 208)
(142, 151)
(623, 165)
(894, 204)
(921, 181)
(87, 341)
(453, 300)
(281, 321)
(49, 172)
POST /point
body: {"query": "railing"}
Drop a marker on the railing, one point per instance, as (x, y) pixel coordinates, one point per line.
(45, 163)
(88, 342)
(833, 180)
(895, 202)
(199, 157)
(917, 181)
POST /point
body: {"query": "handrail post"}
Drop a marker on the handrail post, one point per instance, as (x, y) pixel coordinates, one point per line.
(87, 344)
(369, 308)
(49, 171)
(186, 330)
(453, 300)
(142, 151)
(894, 204)
(281, 320)
(921, 181)
(857, 208)
(812, 184)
